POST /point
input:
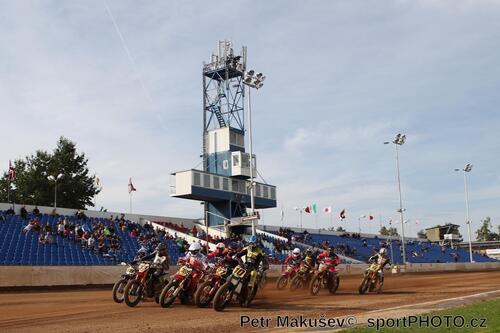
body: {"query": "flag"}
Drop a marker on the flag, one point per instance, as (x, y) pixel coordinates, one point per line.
(327, 210)
(12, 172)
(370, 217)
(314, 208)
(131, 186)
(307, 210)
(342, 214)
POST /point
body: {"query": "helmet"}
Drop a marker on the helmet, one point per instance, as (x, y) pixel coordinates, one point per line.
(220, 246)
(252, 239)
(233, 247)
(309, 251)
(194, 248)
(296, 252)
(161, 248)
(331, 249)
(382, 251)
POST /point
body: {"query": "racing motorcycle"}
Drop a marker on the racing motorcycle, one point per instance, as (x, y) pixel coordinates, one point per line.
(302, 277)
(325, 275)
(145, 283)
(371, 280)
(207, 290)
(287, 274)
(184, 282)
(244, 282)
(119, 286)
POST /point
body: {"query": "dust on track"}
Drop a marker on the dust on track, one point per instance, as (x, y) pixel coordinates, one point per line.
(94, 310)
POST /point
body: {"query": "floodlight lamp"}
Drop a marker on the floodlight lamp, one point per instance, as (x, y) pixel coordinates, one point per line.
(386, 142)
(456, 169)
(248, 81)
(468, 167)
(250, 73)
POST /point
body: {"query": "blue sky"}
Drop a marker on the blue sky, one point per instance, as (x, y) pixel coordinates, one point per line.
(342, 77)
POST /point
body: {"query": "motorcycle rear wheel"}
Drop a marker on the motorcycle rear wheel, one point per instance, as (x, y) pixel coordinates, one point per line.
(246, 300)
(202, 296)
(223, 296)
(334, 285)
(297, 282)
(282, 282)
(119, 290)
(133, 293)
(315, 285)
(166, 296)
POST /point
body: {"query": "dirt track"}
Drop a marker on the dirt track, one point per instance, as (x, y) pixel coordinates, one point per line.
(94, 310)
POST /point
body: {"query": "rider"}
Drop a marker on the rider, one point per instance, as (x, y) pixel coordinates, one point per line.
(218, 253)
(330, 253)
(295, 258)
(308, 258)
(381, 259)
(254, 255)
(160, 259)
(194, 252)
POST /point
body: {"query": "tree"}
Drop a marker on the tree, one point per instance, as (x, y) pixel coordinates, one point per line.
(75, 189)
(340, 229)
(393, 231)
(384, 231)
(484, 232)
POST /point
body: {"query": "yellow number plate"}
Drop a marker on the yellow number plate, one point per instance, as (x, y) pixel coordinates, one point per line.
(239, 272)
(185, 270)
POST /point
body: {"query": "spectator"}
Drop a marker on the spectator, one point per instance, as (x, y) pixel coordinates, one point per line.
(10, 211)
(23, 212)
(36, 211)
(41, 238)
(60, 229)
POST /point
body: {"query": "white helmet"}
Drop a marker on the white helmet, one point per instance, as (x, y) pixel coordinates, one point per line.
(296, 252)
(382, 251)
(194, 248)
(220, 246)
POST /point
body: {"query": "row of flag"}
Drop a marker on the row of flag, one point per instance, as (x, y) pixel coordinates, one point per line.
(313, 209)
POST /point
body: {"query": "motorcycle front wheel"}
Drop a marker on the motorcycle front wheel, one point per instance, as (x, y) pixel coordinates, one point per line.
(119, 290)
(132, 293)
(315, 285)
(282, 282)
(246, 299)
(204, 294)
(365, 284)
(223, 296)
(296, 283)
(167, 296)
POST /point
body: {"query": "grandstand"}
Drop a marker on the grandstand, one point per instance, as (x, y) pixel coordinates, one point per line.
(361, 247)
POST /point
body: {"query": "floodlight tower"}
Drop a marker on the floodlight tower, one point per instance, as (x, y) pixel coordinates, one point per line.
(223, 184)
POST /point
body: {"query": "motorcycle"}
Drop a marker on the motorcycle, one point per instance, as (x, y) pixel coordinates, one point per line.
(244, 282)
(145, 283)
(184, 282)
(371, 280)
(326, 275)
(287, 274)
(119, 286)
(302, 277)
(207, 290)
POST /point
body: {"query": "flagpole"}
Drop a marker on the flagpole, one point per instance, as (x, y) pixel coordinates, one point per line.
(130, 194)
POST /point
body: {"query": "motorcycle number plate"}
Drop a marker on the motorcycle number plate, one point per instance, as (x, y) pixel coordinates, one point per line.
(221, 271)
(185, 271)
(239, 272)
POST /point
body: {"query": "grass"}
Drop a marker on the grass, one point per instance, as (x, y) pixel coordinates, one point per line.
(490, 310)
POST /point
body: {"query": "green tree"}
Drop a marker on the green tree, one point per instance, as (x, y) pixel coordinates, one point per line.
(393, 231)
(340, 229)
(384, 231)
(421, 234)
(75, 189)
(484, 232)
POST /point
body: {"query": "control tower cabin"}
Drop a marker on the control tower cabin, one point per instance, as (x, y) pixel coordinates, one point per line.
(224, 184)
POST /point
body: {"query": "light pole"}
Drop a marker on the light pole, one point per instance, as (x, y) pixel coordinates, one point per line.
(466, 170)
(252, 80)
(55, 179)
(399, 140)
